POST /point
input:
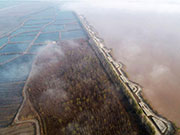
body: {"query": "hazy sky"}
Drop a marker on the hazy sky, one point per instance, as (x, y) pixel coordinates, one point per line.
(169, 6)
(137, 5)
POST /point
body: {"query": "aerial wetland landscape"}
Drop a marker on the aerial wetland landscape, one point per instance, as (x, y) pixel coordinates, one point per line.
(57, 77)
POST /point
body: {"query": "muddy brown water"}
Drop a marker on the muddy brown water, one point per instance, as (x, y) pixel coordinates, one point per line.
(149, 45)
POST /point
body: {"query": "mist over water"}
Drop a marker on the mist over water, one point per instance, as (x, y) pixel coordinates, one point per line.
(146, 38)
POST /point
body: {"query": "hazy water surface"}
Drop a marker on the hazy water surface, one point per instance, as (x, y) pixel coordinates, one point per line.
(148, 43)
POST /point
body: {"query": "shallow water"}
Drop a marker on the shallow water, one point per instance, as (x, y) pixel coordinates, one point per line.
(14, 48)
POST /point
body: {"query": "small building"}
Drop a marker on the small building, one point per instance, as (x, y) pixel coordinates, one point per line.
(162, 127)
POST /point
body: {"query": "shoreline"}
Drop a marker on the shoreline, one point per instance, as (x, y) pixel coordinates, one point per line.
(159, 123)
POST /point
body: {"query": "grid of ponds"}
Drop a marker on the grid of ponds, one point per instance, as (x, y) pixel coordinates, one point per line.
(19, 48)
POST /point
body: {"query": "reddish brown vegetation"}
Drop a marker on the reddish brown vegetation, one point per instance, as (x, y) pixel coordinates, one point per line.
(74, 95)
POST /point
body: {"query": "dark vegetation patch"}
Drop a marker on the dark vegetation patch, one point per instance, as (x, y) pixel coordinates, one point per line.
(74, 95)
